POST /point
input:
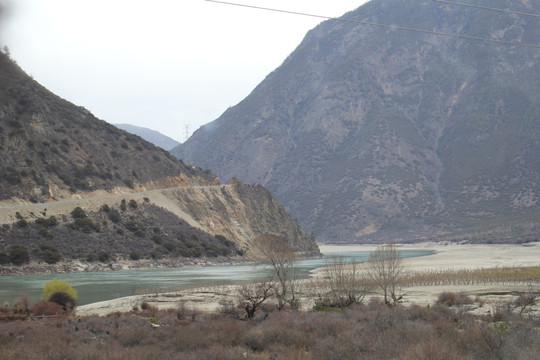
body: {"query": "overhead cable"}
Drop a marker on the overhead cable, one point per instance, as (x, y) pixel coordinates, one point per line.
(393, 27)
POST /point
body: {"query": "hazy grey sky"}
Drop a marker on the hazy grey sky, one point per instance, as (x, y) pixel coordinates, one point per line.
(161, 64)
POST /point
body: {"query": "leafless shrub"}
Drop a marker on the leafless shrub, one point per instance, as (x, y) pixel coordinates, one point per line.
(186, 312)
(46, 308)
(145, 306)
(366, 331)
(526, 300)
(22, 305)
(453, 299)
(253, 296)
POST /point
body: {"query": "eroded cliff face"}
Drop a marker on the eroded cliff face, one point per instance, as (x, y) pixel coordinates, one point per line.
(239, 212)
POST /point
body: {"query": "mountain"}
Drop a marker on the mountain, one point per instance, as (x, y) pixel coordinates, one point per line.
(74, 187)
(369, 133)
(50, 149)
(153, 136)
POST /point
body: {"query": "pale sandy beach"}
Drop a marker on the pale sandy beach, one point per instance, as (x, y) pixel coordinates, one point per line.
(446, 257)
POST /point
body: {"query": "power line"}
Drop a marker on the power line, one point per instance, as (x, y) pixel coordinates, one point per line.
(488, 8)
(393, 27)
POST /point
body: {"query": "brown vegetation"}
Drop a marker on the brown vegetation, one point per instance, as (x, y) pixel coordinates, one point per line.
(484, 276)
(371, 331)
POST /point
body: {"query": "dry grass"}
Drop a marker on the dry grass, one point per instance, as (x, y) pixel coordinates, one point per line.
(370, 331)
(485, 276)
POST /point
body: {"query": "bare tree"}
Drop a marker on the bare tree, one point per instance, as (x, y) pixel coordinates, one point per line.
(386, 269)
(347, 282)
(527, 299)
(279, 254)
(253, 296)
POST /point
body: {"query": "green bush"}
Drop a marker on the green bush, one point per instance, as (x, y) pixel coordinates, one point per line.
(48, 253)
(132, 204)
(78, 213)
(157, 239)
(132, 225)
(104, 256)
(50, 222)
(45, 233)
(134, 255)
(18, 254)
(129, 183)
(4, 258)
(114, 215)
(65, 178)
(55, 285)
(170, 246)
(86, 225)
(140, 233)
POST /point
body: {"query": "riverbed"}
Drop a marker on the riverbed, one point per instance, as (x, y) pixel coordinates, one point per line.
(101, 286)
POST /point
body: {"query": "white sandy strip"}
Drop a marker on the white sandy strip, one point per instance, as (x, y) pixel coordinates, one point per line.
(446, 257)
(453, 256)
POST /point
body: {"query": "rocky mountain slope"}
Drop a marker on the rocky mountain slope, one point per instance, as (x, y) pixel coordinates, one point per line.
(368, 133)
(177, 224)
(50, 148)
(74, 187)
(153, 136)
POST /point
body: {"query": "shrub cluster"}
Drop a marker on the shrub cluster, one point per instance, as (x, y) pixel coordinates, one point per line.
(374, 331)
(129, 233)
(48, 253)
(19, 254)
(82, 222)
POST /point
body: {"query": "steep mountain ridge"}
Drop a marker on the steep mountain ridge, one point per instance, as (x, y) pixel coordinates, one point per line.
(74, 187)
(50, 148)
(367, 133)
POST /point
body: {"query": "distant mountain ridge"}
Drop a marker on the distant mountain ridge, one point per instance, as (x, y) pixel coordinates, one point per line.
(367, 133)
(153, 136)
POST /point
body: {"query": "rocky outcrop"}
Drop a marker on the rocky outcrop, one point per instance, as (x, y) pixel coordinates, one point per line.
(239, 212)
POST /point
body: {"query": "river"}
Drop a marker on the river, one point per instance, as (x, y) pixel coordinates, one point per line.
(100, 286)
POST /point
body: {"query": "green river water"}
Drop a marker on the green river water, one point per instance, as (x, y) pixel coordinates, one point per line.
(100, 286)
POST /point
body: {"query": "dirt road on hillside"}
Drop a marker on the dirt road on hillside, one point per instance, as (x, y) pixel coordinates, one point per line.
(93, 202)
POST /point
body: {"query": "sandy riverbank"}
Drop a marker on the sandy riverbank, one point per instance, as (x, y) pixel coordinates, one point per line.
(455, 256)
(446, 256)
